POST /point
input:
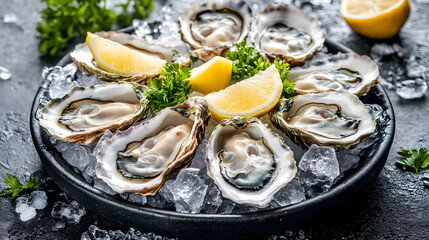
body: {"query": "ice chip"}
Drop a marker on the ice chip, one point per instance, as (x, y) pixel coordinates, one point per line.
(77, 156)
(4, 73)
(411, 89)
(94, 233)
(24, 209)
(226, 207)
(137, 198)
(318, 169)
(102, 186)
(10, 18)
(291, 194)
(188, 191)
(38, 199)
(213, 199)
(380, 50)
(72, 213)
(346, 160)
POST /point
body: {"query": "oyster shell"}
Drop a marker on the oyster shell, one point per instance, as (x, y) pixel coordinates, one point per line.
(213, 27)
(335, 119)
(83, 58)
(248, 162)
(84, 114)
(142, 157)
(286, 33)
(351, 72)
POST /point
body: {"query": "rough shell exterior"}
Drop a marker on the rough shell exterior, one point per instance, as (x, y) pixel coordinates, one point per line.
(206, 53)
(284, 172)
(52, 111)
(291, 17)
(349, 104)
(195, 109)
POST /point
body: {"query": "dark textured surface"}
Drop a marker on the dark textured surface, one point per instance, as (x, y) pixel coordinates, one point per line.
(395, 206)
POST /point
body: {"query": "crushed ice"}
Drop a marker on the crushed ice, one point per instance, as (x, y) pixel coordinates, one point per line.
(95, 233)
(26, 205)
(5, 73)
(71, 213)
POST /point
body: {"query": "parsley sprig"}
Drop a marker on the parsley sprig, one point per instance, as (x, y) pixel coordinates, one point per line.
(16, 188)
(170, 88)
(246, 62)
(413, 159)
(62, 20)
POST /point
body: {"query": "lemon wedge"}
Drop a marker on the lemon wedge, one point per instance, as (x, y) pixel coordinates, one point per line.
(252, 97)
(211, 76)
(117, 58)
(378, 19)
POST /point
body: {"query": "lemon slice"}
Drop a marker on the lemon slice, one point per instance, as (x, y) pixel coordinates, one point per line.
(117, 58)
(378, 19)
(212, 76)
(251, 97)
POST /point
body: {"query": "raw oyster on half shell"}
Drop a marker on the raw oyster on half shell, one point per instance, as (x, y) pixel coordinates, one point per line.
(142, 157)
(286, 33)
(83, 58)
(248, 162)
(335, 119)
(84, 114)
(344, 71)
(211, 28)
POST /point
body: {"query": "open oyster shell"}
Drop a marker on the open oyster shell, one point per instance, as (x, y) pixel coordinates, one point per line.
(335, 119)
(83, 58)
(286, 33)
(142, 157)
(84, 114)
(248, 162)
(351, 72)
(211, 28)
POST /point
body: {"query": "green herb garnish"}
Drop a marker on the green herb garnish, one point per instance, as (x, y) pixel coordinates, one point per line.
(16, 189)
(64, 19)
(246, 62)
(413, 159)
(170, 88)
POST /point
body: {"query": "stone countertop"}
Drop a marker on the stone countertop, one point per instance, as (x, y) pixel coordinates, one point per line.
(395, 206)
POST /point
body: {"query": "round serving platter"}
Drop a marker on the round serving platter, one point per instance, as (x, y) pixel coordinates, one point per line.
(212, 226)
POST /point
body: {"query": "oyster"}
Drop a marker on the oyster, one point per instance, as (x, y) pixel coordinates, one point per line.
(83, 58)
(213, 27)
(351, 72)
(84, 114)
(248, 162)
(336, 119)
(141, 158)
(286, 33)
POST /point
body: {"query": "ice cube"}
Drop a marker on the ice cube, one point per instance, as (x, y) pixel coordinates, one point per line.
(77, 156)
(102, 186)
(293, 193)
(137, 198)
(24, 209)
(318, 169)
(346, 160)
(415, 69)
(72, 213)
(380, 50)
(213, 199)
(226, 206)
(188, 191)
(38, 199)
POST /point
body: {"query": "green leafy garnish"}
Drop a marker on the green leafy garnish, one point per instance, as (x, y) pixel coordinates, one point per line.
(16, 189)
(64, 19)
(413, 159)
(246, 62)
(170, 88)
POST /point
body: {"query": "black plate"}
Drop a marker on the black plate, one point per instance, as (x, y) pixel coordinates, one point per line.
(211, 226)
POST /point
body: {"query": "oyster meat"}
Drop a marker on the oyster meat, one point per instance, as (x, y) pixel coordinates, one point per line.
(335, 119)
(83, 58)
(213, 27)
(351, 72)
(286, 33)
(248, 162)
(142, 157)
(84, 114)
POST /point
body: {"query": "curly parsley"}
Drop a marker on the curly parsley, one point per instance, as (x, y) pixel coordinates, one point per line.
(170, 88)
(16, 188)
(246, 62)
(413, 159)
(64, 19)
